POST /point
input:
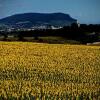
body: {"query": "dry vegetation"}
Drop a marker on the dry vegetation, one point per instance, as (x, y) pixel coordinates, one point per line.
(33, 71)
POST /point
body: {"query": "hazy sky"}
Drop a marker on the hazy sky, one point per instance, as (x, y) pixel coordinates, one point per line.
(85, 11)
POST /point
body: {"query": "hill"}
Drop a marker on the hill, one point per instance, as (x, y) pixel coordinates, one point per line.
(34, 71)
(37, 19)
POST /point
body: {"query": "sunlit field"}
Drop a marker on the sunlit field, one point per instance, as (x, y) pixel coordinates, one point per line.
(36, 71)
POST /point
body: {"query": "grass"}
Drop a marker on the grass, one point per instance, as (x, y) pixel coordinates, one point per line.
(46, 39)
(37, 71)
(57, 40)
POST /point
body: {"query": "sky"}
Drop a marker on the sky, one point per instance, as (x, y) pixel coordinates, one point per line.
(85, 11)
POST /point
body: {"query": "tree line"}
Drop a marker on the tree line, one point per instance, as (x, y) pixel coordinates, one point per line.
(83, 33)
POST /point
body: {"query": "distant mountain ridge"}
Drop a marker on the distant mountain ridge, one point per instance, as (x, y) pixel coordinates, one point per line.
(36, 19)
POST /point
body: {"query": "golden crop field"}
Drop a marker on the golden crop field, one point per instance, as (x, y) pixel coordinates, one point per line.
(34, 71)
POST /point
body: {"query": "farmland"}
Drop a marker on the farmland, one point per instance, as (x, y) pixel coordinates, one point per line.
(37, 71)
